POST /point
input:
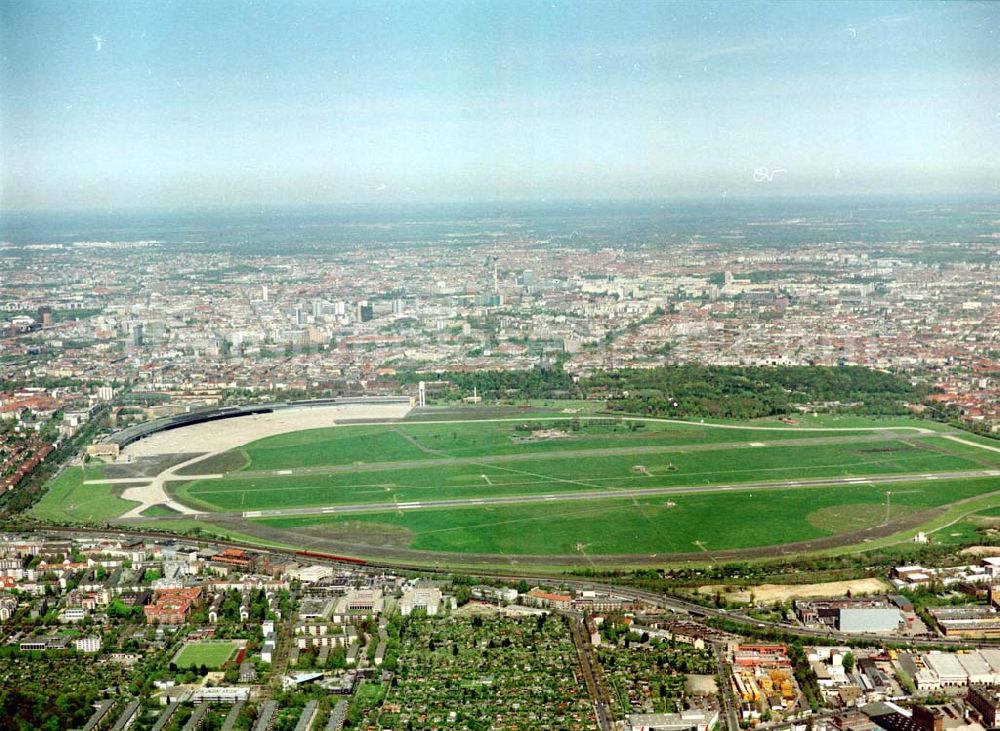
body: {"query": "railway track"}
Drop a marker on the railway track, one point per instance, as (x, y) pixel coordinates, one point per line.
(680, 606)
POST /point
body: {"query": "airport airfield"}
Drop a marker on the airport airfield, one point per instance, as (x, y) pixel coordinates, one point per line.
(551, 484)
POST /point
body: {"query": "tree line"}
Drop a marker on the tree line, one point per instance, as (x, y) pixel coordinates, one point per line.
(733, 392)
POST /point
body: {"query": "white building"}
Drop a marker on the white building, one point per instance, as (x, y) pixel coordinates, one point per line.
(359, 603)
(267, 650)
(74, 614)
(87, 644)
(428, 599)
(8, 607)
(684, 721)
(311, 574)
(221, 694)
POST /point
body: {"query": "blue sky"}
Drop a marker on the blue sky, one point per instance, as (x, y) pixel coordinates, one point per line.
(180, 103)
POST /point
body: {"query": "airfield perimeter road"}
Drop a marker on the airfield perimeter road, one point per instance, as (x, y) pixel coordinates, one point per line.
(604, 494)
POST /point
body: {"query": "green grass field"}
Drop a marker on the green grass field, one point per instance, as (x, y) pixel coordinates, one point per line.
(554, 473)
(443, 457)
(213, 654)
(692, 523)
(69, 500)
(159, 511)
(346, 445)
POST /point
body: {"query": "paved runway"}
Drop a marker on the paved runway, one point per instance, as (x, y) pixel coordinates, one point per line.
(607, 494)
(559, 453)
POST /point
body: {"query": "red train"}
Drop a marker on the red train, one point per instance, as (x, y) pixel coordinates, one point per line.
(332, 557)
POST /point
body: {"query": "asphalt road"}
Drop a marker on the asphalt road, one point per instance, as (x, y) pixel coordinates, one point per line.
(592, 675)
(729, 704)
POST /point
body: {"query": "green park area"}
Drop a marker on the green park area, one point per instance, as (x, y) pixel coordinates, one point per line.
(68, 499)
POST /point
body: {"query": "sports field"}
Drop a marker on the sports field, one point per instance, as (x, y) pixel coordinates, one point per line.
(213, 654)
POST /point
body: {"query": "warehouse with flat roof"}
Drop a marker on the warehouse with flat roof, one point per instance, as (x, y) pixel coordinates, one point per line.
(869, 619)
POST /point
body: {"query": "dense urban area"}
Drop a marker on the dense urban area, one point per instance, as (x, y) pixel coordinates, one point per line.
(151, 633)
(192, 322)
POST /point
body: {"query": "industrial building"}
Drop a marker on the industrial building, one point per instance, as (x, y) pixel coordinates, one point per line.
(861, 615)
(968, 621)
(869, 619)
(936, 670)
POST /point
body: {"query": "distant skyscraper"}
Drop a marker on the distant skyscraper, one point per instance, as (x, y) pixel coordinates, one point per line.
(137, 340)
(45, 315)
(492, 271)
(264, 293)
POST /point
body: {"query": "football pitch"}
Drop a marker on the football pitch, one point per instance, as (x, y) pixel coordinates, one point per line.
(213, 654)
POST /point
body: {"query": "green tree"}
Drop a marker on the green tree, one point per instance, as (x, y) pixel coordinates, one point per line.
(849, 662)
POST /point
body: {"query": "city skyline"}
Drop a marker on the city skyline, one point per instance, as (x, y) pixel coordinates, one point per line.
(159, 105)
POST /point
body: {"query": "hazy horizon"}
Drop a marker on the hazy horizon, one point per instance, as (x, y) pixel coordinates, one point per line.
(789, 201)
(147, 105)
